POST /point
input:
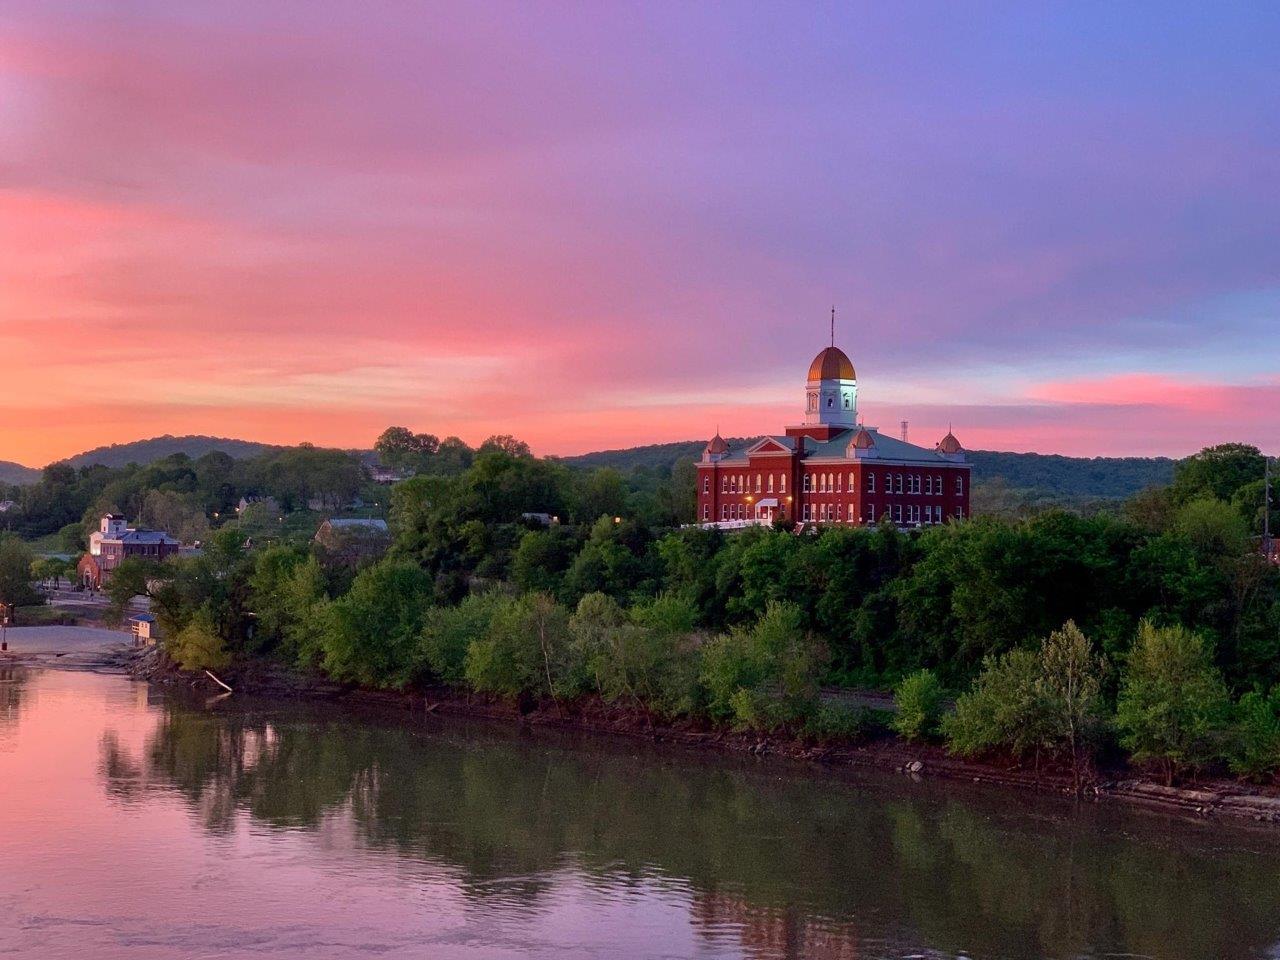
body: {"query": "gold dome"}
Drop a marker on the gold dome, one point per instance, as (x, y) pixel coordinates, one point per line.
(832, 364)
(717, 445)
(949, 444)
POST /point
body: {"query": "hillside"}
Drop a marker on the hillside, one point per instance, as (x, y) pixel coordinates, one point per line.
(11, 472)
(1091, 477)
(147, 451)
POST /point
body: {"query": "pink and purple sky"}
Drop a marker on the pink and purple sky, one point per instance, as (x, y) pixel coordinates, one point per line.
(600, 225)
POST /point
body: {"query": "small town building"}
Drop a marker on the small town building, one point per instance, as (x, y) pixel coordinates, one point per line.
(113, 542)
(831, 468)
(143, 627)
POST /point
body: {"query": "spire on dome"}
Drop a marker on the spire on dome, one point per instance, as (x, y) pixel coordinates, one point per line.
(716, 448)
(949, 446)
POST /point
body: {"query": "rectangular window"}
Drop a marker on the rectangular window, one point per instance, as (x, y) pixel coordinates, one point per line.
(724, 484)
(928, 484)
(706, 484)
(706, 511)
(871, 482)
(869, 513)
(807, 483)
(897, 513)
(937, 514)
(724, 511)
(840, 511)
(806, 511)
(897, 483)
(959, 513)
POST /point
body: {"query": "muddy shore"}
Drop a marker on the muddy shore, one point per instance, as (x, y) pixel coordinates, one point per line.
(1208, 798)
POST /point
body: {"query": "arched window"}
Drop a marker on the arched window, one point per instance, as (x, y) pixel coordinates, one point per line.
(757, 483)
(724, 484)
(847, 402)
(771, 483)
(782, 484)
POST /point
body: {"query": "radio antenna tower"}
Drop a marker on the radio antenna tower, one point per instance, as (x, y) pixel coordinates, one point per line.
(904, 431)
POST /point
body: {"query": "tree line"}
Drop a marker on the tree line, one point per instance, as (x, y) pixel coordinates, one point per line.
(1151, 631)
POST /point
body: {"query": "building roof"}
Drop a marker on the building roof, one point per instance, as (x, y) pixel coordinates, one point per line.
(142, 536)
(142, 618)
(832, 364)
(949, 444)
(717, 444)
(348, 523)
(837, 448)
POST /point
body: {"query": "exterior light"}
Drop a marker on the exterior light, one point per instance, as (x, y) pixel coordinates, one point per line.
(617, 519)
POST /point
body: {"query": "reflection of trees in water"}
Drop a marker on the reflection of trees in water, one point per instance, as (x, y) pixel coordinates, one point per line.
(12, 681)
(795, 866)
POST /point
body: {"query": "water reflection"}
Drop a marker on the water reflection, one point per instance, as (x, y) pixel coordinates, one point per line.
(785, 865)
(12, 681)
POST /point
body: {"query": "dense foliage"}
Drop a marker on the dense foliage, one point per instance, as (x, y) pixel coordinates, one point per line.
(1155, 627)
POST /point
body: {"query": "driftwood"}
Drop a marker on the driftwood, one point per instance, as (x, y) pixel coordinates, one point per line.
(218, 682)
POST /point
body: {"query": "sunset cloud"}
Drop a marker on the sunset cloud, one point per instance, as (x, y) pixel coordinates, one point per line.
(611, 226)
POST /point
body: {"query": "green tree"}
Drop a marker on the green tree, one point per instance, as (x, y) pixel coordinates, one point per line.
(919, 701)
(602, 493)
(1214, 528)
(15, 572)
(1004, 709)
(527, 649)
(764, 675)
(1257, 735)
(1216, 472)
(198, 645)
(1071, 687)
(373, 629)
(447, 633)
(1173, 703)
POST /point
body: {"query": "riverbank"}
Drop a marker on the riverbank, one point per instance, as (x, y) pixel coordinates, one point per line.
(1207, 798)
(70, 648)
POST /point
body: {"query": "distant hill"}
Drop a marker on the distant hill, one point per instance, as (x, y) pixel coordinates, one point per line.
(1092, 477)
(146, 451)
(11, 472)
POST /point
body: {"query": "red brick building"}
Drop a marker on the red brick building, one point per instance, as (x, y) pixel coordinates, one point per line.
(831, 469)
(113, 541)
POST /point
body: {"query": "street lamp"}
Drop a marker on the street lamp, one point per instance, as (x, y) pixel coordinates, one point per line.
(749, 517)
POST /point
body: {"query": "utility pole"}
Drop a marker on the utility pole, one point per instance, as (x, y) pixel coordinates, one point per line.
(1268, 549)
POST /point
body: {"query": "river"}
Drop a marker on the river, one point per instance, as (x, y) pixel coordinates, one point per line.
(134, 823)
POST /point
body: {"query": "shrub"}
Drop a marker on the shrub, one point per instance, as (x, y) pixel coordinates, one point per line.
(526, 649)
(1257, 735)
(919, 701)
(765, 675)
(1005, 708)
(447, 633)
(836, 722)
(1173, 702)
